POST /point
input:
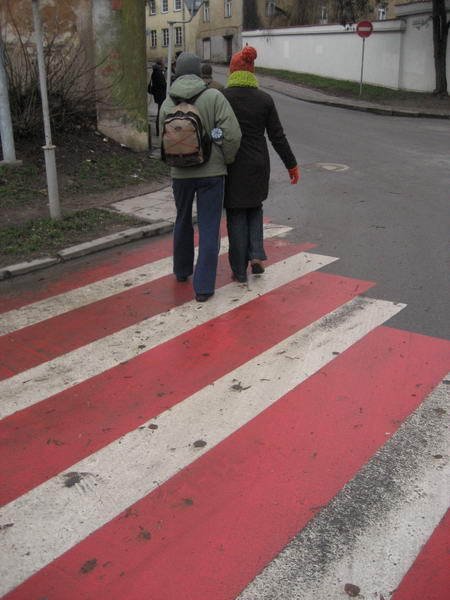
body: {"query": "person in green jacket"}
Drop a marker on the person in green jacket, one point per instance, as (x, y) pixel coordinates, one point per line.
(205, 182)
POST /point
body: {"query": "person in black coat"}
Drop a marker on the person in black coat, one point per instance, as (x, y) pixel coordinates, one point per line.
(247, 184)
(157, 87)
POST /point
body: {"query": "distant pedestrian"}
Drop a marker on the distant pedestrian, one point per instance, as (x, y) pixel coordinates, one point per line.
(203, 181)
(247, 184)
(174, 65)
(207, 76)
(158, 87)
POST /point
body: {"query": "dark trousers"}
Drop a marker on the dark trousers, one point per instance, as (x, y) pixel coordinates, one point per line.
(157, 118)
(209, 192)
(245, 235)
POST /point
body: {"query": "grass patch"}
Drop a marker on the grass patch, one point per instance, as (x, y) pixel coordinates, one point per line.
(340, 87)
(46, 236)
(18, 184)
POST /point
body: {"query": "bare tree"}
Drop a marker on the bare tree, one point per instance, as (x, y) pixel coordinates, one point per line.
(303, 12)
(440, 38)
(351, 11)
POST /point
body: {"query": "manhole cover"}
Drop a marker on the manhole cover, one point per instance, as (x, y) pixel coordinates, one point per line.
(335, 167)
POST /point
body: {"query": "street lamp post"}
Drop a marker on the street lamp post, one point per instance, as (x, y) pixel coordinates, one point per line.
(49, 148)
(171, 24)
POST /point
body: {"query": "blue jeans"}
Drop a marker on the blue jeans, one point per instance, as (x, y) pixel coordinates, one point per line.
(245, 235)
(209, 192)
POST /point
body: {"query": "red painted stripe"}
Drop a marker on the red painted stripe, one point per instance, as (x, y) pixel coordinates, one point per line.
(429, 577)
(5, 372)
(211, 528)
(88, 270)
(48, 437)
(94, 268)
(31, 346)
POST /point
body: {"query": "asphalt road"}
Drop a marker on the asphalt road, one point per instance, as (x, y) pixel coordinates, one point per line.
(383, 209)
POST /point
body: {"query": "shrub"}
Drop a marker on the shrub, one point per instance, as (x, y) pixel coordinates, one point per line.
(70, 77)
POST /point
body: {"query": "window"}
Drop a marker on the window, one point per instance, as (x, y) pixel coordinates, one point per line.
(228, 8)
(270, 8)
(152, 7)
(206, 12)
(178, 36)
(164, 6)
(177, 4)
(153, 38)
(165, 37)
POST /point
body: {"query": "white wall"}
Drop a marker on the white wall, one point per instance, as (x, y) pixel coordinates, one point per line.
(398, 54)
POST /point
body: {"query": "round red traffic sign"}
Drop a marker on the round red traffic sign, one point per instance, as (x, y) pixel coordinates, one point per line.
(364, 28)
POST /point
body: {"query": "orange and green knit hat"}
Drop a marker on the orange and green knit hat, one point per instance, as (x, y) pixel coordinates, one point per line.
(243, 60)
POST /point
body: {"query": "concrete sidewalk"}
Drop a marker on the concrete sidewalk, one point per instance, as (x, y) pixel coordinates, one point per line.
(158, 207)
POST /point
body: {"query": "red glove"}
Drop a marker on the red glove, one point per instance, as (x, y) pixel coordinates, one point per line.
(294, 174)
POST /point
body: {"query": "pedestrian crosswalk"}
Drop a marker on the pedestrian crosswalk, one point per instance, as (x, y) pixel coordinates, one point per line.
(158, 448)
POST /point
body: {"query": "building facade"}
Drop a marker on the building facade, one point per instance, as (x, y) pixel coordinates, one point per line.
(218, 29)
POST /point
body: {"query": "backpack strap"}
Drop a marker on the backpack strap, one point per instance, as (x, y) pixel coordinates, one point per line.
(192, 100)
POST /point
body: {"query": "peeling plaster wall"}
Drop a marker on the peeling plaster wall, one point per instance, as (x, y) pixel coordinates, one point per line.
(121, 80)
(110, 47)
(64, 22)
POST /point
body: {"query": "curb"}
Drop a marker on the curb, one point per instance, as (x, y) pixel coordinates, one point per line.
(109, 241)
(388, 111)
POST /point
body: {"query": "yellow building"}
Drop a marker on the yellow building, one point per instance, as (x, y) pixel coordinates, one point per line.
(158, 14)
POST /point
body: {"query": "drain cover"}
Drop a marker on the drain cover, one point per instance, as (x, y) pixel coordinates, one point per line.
(336, 168)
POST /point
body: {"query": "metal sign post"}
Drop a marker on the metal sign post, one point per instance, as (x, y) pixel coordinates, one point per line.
(6, 127)
(363, 29)
(362, 65)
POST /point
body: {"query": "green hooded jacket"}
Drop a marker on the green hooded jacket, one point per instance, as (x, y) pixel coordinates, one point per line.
(215, 111)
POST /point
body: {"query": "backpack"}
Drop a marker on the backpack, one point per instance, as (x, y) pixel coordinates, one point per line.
(184, 143)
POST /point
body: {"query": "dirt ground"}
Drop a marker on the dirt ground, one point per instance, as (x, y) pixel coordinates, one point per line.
(81, 187)
(93, 172)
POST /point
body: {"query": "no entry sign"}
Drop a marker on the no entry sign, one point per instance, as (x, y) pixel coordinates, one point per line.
(364, 28)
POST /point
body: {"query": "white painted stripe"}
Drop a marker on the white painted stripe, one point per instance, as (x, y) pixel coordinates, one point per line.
(402, 494)
(52, 518)
(65, 371)
(62, 303)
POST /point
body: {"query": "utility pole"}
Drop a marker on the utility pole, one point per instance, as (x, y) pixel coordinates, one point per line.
(6, 128)
(193, 12)
(49, 148)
